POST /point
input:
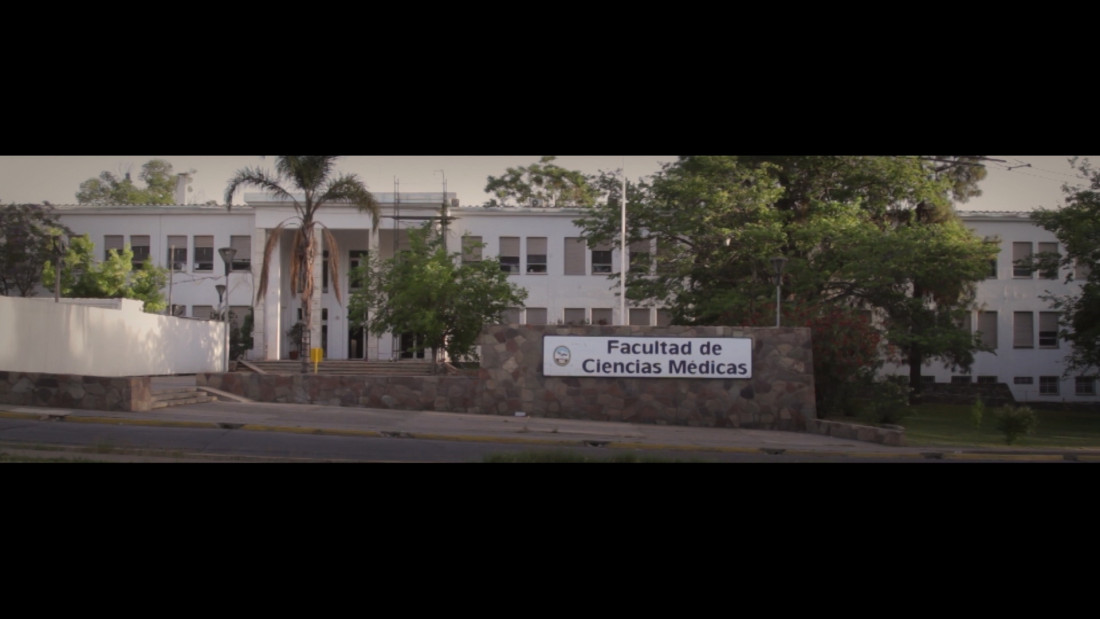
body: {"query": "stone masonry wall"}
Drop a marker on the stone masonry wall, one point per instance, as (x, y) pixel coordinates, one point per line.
(780, 394)
(111, 393)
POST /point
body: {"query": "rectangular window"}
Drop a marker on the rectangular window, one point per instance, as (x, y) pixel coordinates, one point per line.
(987, 326)
(509, 254)
(574, 316)
(664, 318)
(927, 380)
(179, 310)
(1050, 249)
(1048, 329)
(1023, 330)
(574, 256)
(356, 258)
(1084, 385)
(242, 260)
(536, 254)
(1080, 271)
(1023, 380)
(960, 380)
(324, 271)
(641, 256)
(139, 244)
(965, 322)
(177, 253)
(1021, 255)
(639, 316)
(510, 317)
(1048, 385)
(987, 380)
(471, 249)
(601, 259)
(111, 241)
(202, 312)
(992, 269)
(601, 316)
(204, 253)
(536, 315)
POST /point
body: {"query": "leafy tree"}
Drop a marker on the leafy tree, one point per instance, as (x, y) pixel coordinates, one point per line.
(82, 276)
(427, 291)
(859, 233)
(160, 185)
(1077, 226)
(30, 235)
(316, 180)
(544, 184)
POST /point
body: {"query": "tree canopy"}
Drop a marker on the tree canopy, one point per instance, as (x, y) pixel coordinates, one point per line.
(82, 276)
(1077, 226)
(30, 235)
(426, 291)
(860, 234)
(160, 186)
(541, 184)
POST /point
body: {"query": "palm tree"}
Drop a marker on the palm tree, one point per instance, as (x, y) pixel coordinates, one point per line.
(314, 179)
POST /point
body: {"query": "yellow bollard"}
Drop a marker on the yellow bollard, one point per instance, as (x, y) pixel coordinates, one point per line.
(315, 357)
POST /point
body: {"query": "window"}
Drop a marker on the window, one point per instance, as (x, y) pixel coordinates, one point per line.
(601, 259)
(356, 258)
(641, 256)
(139, 244)
(324, 271)
(242, 260)
(987, 380)
(1048, 385)
(1023, 380)
(664, 318)
(536, 315)
(202, 312)
(237, 314)
(1084, 385)
(574, 315)
(509, 254)
(1021, 257)
(471, 249)
(639, 316)
(204, 253)
(178, 310)
(927, 380)
(536, 254)
(1052, 250)
(511, 316)
(965, 322)
(960, 380)
(574, 256)
(987, 326)
(1048, 329)
(992, 274)
(111, 241)
(601, 316)
(1023, 329)
(1080, 271)
(177, 253)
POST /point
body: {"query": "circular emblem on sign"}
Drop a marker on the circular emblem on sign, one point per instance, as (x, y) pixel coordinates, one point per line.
(561, 355)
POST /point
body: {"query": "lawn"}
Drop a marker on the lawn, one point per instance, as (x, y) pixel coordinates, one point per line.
(930, 425)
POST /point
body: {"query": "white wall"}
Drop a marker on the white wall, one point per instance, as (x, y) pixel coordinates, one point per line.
(39, 335)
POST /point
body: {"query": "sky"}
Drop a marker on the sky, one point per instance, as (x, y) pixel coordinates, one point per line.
(1013, 183)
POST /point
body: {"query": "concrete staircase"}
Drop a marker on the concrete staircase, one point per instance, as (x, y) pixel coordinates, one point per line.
(178, 396)
(344, 367)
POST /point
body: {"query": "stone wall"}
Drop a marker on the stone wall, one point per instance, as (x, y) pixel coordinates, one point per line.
(780, 394)
(456, 394)
(111, 393)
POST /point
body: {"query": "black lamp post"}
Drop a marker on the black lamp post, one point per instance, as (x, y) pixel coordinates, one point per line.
(777, 265)
(227, 254)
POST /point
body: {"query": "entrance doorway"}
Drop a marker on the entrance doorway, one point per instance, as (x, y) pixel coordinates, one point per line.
(409, 343)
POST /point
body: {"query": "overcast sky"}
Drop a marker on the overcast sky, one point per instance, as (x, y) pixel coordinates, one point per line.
(1011, 184)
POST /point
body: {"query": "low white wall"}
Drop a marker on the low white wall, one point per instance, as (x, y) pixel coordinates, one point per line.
(71, 337)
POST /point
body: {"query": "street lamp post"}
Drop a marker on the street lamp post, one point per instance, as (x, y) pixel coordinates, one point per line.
(227, 254)
(777, 265)
(221, 294)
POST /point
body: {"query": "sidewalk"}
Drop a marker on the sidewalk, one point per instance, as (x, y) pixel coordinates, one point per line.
(537, 431)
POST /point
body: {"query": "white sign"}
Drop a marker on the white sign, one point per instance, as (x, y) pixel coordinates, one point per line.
(647, 357)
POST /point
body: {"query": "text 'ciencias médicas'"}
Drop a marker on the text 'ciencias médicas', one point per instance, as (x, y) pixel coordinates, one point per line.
(641, 357)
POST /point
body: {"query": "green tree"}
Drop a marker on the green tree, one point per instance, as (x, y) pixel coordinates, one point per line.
(541, 184)
(427, 291)
(317, 184)
(160, 185)
(30, 235)
(82, 276)
(860, 233)
(1077, 226)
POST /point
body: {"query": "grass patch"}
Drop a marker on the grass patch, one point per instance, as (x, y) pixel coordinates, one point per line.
(931, 425)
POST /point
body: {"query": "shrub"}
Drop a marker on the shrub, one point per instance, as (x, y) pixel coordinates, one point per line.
(884, 401)
(1015, 421)
(977, 412)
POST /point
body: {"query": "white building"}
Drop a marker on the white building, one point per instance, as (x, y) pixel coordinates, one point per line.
(567, 281)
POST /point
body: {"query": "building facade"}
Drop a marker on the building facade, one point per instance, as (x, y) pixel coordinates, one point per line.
(568, 282)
